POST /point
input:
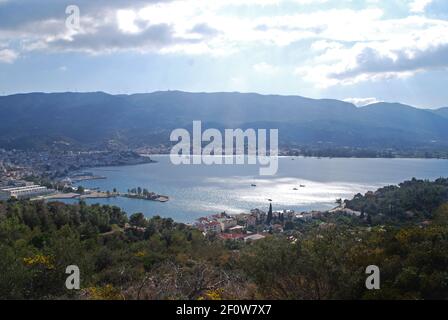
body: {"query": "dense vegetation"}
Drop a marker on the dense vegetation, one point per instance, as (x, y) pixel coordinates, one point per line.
(136, 258)
(409, 201)
(38, 241)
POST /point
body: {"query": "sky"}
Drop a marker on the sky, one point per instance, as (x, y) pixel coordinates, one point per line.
(362, 51)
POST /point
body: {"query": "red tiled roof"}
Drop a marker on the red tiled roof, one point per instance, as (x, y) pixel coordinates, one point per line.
(231, 236)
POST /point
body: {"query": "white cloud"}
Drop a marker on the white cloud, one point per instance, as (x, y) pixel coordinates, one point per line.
(404, 47)
(231, 32)
(265, 68)
(361, 102)
(8, 55)
(126, 21)
(324, 45)
(347, 45)
(419, 6)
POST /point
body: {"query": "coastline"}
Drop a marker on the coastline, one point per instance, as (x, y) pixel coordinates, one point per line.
(186, 205)
(99, 195)
(167, 154)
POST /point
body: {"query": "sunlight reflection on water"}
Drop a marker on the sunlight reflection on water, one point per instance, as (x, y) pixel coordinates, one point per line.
(196, 191)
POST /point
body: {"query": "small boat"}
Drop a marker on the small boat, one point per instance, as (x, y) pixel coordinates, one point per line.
(295, 189)
(302, 186)
(253, 185)
(270, 200)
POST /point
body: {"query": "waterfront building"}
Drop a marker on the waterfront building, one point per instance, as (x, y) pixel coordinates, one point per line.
(26, 192)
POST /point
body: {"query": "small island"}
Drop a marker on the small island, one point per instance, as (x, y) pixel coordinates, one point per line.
(144, 194)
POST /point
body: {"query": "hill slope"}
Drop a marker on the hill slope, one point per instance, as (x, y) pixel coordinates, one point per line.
(37, 120)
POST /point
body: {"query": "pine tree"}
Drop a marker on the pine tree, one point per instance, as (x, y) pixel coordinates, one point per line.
(369, 219)
(269, 218)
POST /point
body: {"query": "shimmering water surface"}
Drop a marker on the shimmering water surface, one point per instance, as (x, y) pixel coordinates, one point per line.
(199, 190)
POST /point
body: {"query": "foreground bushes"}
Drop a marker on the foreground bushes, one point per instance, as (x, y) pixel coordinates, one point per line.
(160, 259)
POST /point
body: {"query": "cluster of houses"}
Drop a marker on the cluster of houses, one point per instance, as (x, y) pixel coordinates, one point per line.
(251, 226)
(18, 164)
(257, 224)
(230, 227)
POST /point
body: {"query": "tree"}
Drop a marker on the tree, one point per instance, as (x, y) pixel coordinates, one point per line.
(289, 225)
(441, 214)
(269, 218)
(369, 219)
(138, 220)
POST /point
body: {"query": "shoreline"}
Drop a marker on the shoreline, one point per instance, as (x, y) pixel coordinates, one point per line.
(98, 195)
(73, 173)
(298, 157)
(190, 216)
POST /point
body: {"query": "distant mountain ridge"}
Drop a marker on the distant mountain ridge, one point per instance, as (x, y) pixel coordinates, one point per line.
(442, 112)
(39, 120)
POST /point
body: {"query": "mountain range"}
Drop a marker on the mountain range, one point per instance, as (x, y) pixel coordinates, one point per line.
(97, 119)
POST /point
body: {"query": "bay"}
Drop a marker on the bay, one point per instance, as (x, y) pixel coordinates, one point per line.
(200, 190)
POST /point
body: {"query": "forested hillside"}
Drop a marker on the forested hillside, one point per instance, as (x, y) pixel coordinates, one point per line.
(99, 120)
(123, 257)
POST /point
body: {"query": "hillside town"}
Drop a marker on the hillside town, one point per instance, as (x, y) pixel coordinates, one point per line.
(32, 174)
(258, 224)
(20, 164)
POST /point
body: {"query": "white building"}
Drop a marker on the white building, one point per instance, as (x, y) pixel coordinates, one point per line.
(254, 237)
(211, 227)
(236, 229)
(227, 223)
(24, 192)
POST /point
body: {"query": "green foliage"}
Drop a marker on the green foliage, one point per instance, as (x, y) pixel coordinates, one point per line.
(39, 240)
(80, 190)
(139, 258)
(331, 264)
(138, 220)
(410, 200)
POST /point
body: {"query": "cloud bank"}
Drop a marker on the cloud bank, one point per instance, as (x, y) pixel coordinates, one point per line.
(347, 45)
